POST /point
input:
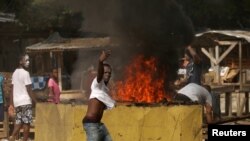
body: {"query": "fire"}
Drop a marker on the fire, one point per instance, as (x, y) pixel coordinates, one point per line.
(143, 82)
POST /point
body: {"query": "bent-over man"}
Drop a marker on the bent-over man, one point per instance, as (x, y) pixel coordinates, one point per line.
(197, 93)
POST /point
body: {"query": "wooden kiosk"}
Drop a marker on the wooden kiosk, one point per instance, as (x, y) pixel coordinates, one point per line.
(63, 53)
(228, 49)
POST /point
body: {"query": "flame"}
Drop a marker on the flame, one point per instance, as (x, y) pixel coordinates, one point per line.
(143, 82)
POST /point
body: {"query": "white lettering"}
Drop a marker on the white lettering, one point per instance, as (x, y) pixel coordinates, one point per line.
(215, 131)
(243, 133)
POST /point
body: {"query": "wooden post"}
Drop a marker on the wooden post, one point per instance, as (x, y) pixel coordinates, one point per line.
(240, 64)
(217, 66)
(211, 52)
(228, 104)
(238, 100)
(242, 105)
(60, 65)
(247, 102)
(227, 98)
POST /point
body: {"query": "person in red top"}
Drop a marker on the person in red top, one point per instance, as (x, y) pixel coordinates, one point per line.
(54, 90)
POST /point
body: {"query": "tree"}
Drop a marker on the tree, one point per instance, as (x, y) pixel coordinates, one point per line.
(45, 16)
(218, 14)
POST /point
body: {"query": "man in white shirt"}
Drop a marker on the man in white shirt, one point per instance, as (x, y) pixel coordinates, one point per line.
(195, 93)
(99, 100)
(21, 98)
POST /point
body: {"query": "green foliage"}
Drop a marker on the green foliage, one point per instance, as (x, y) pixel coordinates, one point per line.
(44, 16)
(50, 15)
(218, 14)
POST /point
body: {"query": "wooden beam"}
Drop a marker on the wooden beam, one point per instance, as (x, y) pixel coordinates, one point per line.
(232, 46)
(217, 67)
(247, 102)
(211, 52)
(227, 120)
(209, 55)
(59, 67)
(226, 42)
(240, 63)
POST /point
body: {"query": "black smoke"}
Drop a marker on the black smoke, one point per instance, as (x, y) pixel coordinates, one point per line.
(154, 28)
(157, 28)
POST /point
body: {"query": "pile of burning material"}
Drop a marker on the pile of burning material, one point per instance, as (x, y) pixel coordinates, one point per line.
(143, 83)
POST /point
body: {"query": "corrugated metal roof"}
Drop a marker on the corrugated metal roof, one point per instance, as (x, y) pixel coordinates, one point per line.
(240, 34)
(71, 44)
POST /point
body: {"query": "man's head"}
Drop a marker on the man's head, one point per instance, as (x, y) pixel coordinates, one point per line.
(24, 61)
(107, 72)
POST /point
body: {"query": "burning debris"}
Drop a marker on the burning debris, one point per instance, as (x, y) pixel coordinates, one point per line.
(153, 35)
(143, 83)
(150, 35)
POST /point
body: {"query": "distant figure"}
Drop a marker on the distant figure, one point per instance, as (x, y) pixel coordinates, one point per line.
(193, 65)
(1, 98)
(54, 90)
(21, 98)
(196, 93)
(99, 100)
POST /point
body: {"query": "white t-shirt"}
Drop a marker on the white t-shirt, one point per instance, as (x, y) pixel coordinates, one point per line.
(197, 93)
(20, 79)
(101, 92)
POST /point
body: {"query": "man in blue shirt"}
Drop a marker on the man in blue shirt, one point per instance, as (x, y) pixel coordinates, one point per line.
(193, 68)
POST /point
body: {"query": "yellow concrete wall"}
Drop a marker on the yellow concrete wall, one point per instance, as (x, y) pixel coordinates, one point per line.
(172, 123)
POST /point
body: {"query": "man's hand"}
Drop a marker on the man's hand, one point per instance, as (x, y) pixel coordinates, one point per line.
(11, 111)
(104, 55)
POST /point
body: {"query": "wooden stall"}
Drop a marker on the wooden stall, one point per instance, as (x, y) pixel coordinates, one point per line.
(229, 55)
(62, 53)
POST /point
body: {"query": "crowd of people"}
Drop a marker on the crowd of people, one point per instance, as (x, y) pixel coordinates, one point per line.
(22, 99)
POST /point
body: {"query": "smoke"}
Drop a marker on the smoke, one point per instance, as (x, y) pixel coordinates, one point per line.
(156, 28)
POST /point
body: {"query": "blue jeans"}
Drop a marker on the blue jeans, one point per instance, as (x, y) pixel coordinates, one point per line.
(96, 132)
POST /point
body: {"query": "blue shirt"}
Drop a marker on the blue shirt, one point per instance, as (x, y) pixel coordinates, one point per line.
(194, 72)
(1, 90)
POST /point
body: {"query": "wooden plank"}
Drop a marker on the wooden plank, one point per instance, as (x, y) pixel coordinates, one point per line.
(238, 101)
(226, 42)
(247, 102)
(211, 52)
(227, 98)
(209, 55)
(226, 52)
(240, 63)
(59, 63)
(217, 66)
